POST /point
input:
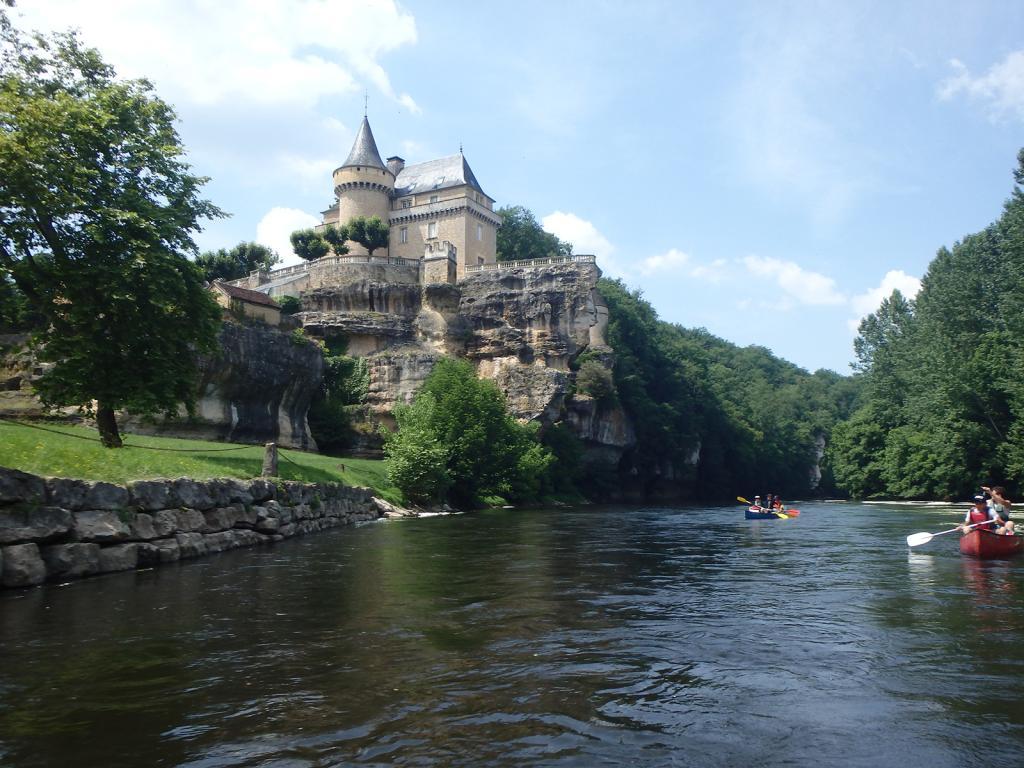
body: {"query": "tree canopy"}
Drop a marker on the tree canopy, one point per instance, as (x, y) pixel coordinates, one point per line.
(369, 231)
(943, 404)
(521, 237)
(97, 211)
(710, 417)
(312, 244)
(457, 441)
(224, 264)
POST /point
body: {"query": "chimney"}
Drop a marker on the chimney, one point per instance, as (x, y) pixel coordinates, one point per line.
(396, 164)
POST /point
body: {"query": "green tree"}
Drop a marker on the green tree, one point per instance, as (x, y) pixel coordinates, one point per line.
(943, 399)
(336, 236)
(521, 237)
(486, 452)
(345, 385)
(313, 244)
(289, 305)
(16, 313)
(238, 262)
(370, 232)
(98, 210)
(417, 460)
(309, 244)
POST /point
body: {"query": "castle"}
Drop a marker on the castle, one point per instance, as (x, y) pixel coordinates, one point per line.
(442, 223)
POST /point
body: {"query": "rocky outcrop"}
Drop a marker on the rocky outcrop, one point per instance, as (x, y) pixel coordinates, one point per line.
(548, 314)
(51, 530)
(522, 327)
(257, 388)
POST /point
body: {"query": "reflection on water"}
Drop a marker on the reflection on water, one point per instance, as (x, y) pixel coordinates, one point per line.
(613, 637)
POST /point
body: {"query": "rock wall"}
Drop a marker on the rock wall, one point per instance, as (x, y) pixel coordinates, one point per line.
(257, 388)
(57, 529)
(522, 327)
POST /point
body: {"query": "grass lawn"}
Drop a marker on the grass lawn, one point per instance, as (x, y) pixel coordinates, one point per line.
(76, 452)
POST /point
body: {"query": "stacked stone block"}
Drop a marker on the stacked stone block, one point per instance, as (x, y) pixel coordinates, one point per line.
(57, 529)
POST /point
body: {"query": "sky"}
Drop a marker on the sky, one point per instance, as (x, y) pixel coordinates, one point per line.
(768, 171)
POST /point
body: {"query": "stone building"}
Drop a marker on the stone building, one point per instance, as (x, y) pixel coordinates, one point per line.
(246, 302)
(437, 210)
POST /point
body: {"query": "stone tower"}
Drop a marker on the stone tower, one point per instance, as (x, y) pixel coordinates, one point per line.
(435, 210)
(363, 186)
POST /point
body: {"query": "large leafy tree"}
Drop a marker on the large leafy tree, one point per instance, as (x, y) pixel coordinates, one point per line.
(521, 236)
(713, 419)
(458, 440)
(312, 244)
(97, 211)
(943, 408)
(224, 264)
(369, 231)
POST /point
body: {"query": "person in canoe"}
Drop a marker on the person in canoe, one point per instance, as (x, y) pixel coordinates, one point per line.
(978, 513)
(757, 503)
(999, 508)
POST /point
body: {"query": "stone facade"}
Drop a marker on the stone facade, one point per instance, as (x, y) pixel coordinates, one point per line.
(58, 529)
(425, 204)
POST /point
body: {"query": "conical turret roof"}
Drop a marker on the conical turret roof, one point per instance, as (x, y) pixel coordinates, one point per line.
(364, 150)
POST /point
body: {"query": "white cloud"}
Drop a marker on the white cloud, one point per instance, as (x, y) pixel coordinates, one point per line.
(311, 171)
(671, 260)
(1001, 88)
(240, 51)
(865, 303)
(714, 272)
(801, 285)
(274, 229)
(585, 238)
(680, 262)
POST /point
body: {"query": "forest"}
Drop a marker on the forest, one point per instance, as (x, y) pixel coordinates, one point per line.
(941, 410)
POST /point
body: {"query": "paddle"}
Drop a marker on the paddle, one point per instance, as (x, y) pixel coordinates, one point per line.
(917, 539)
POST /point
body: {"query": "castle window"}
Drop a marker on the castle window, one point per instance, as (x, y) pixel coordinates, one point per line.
(432, 229)
(479, 231)
(403, 234)
(433, 198)
(406, 203)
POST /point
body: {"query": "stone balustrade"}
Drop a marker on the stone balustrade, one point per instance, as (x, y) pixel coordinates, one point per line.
(532, 263)
(58, 529)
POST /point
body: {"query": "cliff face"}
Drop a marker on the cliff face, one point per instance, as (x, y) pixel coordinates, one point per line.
(256, 389)
(259, 388)
(522, 328)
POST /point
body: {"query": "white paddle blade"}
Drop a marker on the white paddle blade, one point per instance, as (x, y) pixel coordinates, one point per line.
(917, 539)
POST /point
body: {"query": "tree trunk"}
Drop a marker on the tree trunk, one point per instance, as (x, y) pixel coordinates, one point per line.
(106, 423)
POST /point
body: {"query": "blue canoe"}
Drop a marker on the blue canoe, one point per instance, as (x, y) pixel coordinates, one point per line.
(751, 514)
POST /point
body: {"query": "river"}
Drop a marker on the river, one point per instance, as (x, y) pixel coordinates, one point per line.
(634, 636)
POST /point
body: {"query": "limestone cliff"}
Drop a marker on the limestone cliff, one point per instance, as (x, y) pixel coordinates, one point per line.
(256, 389)
(521, 327)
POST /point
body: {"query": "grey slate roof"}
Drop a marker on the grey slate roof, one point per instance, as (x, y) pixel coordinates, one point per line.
(442, 173)
(364, 150)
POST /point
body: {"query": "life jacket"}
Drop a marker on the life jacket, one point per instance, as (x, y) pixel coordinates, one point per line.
(978, 516)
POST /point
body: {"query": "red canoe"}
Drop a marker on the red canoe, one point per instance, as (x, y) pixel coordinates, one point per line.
(986, 545)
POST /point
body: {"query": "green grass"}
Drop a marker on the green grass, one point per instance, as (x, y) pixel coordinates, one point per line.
(31, 449)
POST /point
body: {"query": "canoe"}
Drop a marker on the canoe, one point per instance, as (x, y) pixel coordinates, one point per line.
(756, 513)
(986, 545)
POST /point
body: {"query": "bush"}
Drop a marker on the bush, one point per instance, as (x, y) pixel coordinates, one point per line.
(465, 421)
(595, 380)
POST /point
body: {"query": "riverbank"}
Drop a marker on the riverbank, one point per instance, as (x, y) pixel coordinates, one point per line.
(58, 529)
(62, 450)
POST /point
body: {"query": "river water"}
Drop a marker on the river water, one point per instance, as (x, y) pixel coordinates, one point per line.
(594, 637)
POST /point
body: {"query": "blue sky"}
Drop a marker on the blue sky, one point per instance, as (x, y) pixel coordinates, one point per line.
(765, 170)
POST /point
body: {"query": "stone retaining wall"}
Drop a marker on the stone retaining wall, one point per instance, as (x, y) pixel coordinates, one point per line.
(56, 529)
